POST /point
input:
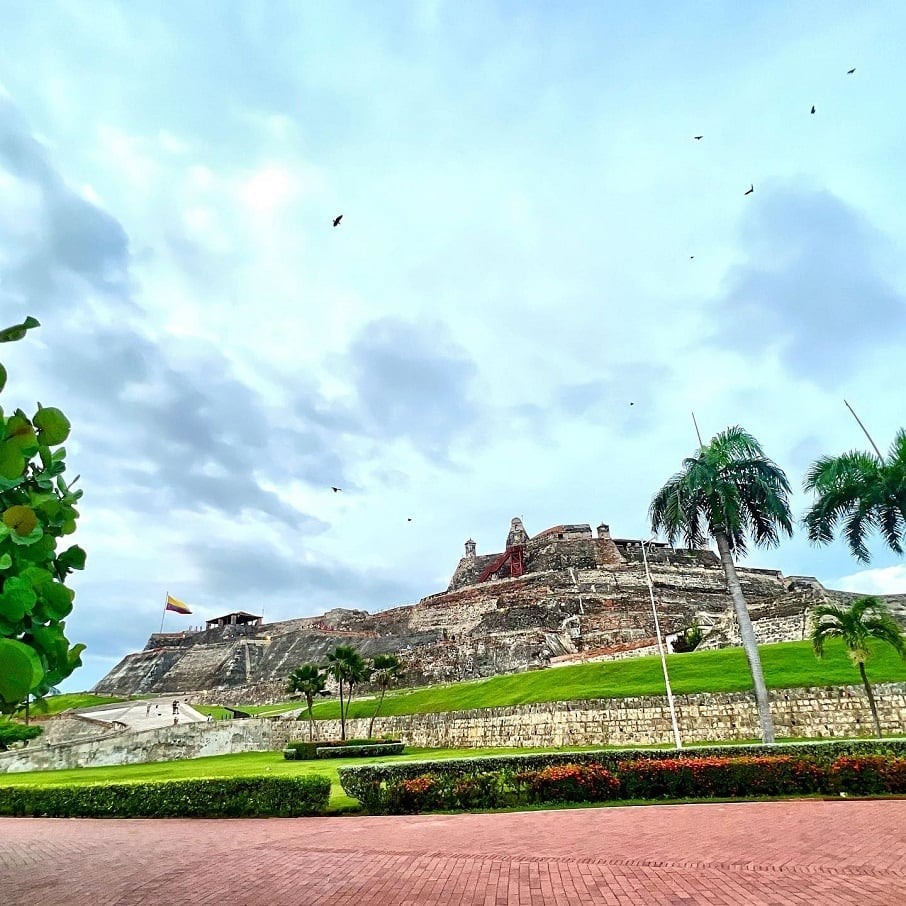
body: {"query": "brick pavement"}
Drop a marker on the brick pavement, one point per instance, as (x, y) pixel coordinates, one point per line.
(769, 853)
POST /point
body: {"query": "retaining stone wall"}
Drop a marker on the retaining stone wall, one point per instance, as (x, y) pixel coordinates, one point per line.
(835, 712)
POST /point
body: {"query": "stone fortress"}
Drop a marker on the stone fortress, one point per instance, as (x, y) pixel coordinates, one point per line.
(563, 596)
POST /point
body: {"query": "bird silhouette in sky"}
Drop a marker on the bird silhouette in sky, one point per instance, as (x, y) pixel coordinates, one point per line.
(337, 219)
(750, 190)
(851, 71)
(335, 490)
(409, 519)
(698, 138)
(813, 108)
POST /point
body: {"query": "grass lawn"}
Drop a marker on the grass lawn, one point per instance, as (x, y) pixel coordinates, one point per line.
(248, 764)
(57, 703)
(786, 665)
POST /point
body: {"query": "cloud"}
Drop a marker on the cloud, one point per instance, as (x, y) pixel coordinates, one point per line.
(255, 569)
(413, 381)
(889, 580)
(813, 289)
(73, 240)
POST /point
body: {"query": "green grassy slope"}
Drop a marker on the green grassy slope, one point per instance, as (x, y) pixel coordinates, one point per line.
(57, 703)
(786, 665)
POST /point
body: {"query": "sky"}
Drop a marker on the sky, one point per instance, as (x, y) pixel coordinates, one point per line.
(539, 275)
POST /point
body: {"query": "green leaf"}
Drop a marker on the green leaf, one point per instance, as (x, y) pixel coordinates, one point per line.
(57, 599)
(12, 462)
(52, 425)
(20, 671)
(17, 599)
(34, 535)
(5, 561)
(17, 331)
(2, 376)
(72, 558)
(20, 519)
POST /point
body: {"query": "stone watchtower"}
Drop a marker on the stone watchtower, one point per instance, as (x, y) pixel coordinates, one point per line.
(471, 549)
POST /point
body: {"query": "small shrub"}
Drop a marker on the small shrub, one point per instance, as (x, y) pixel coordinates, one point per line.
(253, 797)
(571, 783)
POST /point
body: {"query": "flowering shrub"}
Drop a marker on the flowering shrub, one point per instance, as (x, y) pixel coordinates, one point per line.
(417, 794)
(679, 778)
(571, 783)
(868, 775)
(492, 781)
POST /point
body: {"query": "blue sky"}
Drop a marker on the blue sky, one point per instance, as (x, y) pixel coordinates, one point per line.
(532, 241)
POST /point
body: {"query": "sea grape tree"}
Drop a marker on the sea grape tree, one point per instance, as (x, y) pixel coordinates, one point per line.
(37, 510)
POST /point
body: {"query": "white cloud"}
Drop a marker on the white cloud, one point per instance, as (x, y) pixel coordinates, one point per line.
(889, 580)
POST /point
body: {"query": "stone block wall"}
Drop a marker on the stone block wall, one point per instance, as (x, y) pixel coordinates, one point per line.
(824, 713)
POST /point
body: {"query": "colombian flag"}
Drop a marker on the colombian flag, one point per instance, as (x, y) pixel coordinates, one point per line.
(176, 606)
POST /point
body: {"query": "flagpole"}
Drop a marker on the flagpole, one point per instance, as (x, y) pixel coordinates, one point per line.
(164, 614)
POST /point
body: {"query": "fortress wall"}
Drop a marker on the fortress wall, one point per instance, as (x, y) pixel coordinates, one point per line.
(824, 713)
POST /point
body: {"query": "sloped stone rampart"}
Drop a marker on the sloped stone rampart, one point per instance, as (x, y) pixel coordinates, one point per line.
(823, 713)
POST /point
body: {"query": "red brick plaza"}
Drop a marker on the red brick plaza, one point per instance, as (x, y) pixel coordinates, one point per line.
(806, 852)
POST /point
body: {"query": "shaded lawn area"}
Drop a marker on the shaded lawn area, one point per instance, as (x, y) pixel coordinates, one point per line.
(63, 702)
(786, 665)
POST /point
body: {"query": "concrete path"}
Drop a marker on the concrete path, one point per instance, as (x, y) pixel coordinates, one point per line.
(771, 853)
(144, 714)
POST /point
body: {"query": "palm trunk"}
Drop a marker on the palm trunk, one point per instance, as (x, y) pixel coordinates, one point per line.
(311, 719)
(342, 714)
(376, 712)
(348, 699)
(871, 700)
(747, 636)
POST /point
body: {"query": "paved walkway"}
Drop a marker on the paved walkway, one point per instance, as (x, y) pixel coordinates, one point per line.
(145, 714)
(768, 853)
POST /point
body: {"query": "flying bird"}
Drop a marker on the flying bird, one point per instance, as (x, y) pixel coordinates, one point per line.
(851, 71)
(698, 138)
(632, 404)
(750, 190)
(409, 519)
(813, 108)
(337, 219)
(335, 490)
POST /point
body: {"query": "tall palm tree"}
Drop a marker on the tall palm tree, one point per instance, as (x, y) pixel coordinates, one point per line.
(310, 681)
(729, 489)
(386, 669)
(864, 492)
(348, 668)
(866, 618)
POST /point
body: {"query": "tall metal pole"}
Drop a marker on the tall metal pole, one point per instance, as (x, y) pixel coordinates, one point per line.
(660, 650)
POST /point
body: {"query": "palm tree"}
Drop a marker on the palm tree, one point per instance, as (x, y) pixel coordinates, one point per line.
(347, 667)
(310, 681)
(729, 489)
(386, 669)
(864, 492)
(866, 618)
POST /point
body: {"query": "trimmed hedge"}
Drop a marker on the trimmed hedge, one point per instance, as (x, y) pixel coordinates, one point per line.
(305, 751)
(371, 750)
(257, 797)
(701, 778)
(868, 775)
(498, 780)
